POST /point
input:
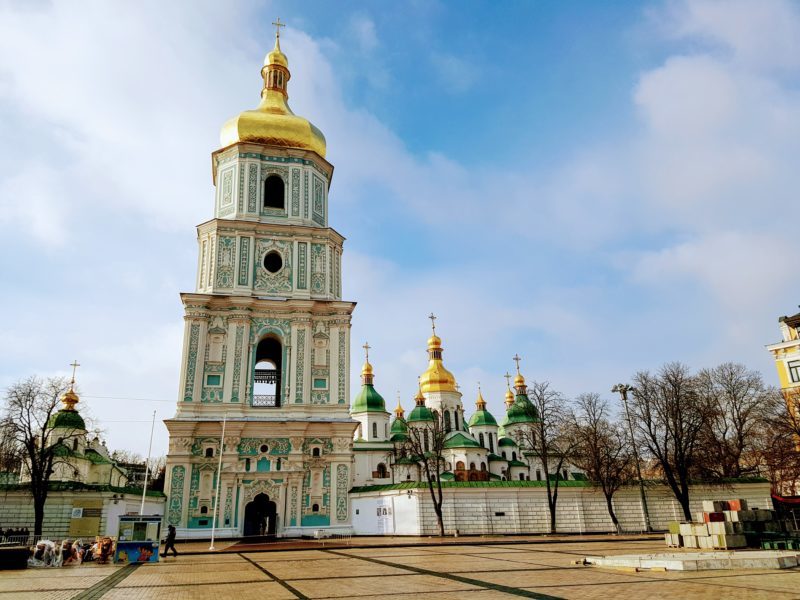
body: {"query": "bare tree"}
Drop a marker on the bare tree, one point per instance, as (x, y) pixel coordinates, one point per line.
(736, 399)
(669, 415)
(601, 448)
(425, 444)
(27, 420)
(778, 442)
(10, 455)
(548, 435)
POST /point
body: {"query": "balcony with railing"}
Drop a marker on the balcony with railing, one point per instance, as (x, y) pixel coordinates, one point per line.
(266, 379)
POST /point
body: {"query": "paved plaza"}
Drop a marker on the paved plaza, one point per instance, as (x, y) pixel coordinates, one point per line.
(471, 570)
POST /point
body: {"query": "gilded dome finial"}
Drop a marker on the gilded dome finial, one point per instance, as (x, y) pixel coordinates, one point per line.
(509, 393)
(399, 412)
(480, 403)
(519, 380)
(367, 374)
(70, 398)
(436, 378)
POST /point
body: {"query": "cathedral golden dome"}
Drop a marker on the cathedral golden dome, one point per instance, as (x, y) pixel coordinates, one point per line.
(273, 122)
(436, 378)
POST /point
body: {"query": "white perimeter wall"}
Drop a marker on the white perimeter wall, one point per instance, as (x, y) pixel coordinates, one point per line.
(524, 510)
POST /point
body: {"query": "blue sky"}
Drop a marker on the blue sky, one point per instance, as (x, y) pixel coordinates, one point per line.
(599, 187)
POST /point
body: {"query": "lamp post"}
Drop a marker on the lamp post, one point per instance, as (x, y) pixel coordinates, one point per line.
(623, 389)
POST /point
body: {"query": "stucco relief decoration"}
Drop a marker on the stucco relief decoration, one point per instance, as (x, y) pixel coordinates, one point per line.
(273, 283)
(296, 192)
(227, 187)
(259, 326)
(342, 364)
(229, 507)
(305, 194)
(301, 359)
(191, 362)
(198, 443)
(296, 444)
(341, 492)
(294, 505)
(318, 212)
(244, 259)
(302, 265)
(252, 188)
(317, 268)
(225, 252)
(176, 494)
(261, 486)
(240, 193)
(252, 446)
(237, 362)
(342, 444)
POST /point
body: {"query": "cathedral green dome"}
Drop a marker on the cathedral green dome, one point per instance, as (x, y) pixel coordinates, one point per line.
(460, 440)
(522, 411)
(398, 426)
(482, 417)
(67, 419)
(506, 442)
(368, 400)
(420, 413)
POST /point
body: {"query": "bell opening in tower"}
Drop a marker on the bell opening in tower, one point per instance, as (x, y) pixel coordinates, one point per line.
(267, 375)
(274, 191)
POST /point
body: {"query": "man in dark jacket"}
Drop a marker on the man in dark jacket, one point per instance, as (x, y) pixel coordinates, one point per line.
(170, 542)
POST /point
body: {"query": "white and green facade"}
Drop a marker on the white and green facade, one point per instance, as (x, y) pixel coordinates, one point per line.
(266, 349)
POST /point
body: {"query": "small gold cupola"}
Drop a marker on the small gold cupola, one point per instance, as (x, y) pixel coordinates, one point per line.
(367, 373)
(519, 380)
(480, 403)
(436, 378)
(399, 412)
(509, 394)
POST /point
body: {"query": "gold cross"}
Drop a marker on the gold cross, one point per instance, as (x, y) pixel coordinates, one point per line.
(74, 364)
(366, 347)
(432, 317)
(516, 360)
(278, 26)
(508, 379)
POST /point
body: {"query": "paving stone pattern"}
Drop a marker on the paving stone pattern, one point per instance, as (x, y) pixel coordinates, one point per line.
(539, 568)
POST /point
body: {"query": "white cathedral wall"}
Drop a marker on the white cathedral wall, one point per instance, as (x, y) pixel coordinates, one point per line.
(490, 510)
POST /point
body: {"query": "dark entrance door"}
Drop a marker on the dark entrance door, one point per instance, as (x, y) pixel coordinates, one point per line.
(260, 516)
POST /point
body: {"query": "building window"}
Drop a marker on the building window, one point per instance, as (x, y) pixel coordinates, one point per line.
(273, 261)
(320, 383)
(522, 476)
(566, 475)
(794, 370)
(480, 439)
(491, 443)
(209, 453)
(315, 508)
(213, 380)
(447, 427)
(273, 192)
(382, 471)
(246, 464)
(538, 475)
(375, 430)
(513, 456)
(315, 451)
(455, 417)
(203, 510)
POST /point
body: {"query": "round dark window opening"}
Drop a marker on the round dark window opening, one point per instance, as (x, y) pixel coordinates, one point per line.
(273, 262)
(264, 448)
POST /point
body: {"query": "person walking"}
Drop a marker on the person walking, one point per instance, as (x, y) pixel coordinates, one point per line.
(170, 541)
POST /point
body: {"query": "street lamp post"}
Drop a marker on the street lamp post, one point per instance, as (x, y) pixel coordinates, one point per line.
(623, 389)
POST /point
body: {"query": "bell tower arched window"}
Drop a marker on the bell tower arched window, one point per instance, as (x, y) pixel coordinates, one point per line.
(267, 377)
(274, 190)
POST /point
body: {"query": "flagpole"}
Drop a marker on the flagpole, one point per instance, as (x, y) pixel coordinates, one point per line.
(219, 480)
(147, 464)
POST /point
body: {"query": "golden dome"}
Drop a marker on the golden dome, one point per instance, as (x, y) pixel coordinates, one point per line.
(399, 412)
(519, 380)
(273, 122)
(436, 378)
(509, 398)
(366, 369)
(70, 399)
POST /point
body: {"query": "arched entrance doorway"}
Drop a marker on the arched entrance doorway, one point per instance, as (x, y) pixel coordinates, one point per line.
(260, 516)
